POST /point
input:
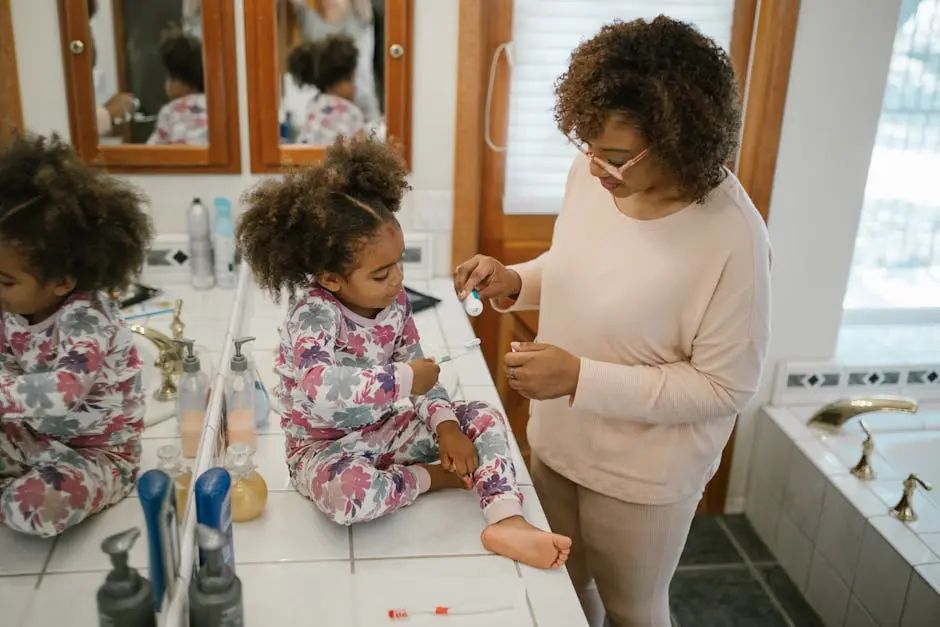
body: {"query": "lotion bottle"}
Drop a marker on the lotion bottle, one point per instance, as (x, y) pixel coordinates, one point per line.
(249, 490)
(240, 399)
(215, 593)
(126, 598)
(191, 400)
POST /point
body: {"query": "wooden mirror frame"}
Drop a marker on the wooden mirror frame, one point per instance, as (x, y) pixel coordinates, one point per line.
(221, 156)
(268, 155)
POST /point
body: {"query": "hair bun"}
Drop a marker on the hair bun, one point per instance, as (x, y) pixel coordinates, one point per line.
(368, 170)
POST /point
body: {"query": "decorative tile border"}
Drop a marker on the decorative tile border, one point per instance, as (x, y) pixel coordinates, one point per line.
(168, 258)
(808, 383)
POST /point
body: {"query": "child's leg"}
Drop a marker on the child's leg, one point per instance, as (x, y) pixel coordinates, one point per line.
(12, 460)
(508, 533)
(63, 489)
(352, 480)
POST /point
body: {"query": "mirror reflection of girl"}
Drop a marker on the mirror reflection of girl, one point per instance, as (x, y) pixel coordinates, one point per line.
(184, 119)
(327, 66)
(71, 406)
(350, 354)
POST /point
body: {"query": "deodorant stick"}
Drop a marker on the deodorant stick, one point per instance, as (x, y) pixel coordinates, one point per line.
(472, 304)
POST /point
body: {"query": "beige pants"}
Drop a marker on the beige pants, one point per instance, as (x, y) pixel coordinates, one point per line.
(630, 551)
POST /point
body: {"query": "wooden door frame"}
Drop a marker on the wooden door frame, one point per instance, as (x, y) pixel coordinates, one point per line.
(11, 107)
(763, 36)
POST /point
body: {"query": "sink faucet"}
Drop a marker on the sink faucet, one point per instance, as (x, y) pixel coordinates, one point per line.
(837, 413)
(170, 359)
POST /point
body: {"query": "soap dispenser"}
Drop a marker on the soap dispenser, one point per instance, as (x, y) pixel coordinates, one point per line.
(170, 461)
(240, 399)
(249, 490)
(125, 599)
(215, 594)
(192, 400)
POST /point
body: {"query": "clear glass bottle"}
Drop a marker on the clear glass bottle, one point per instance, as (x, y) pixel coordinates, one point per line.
(249, 490)
(170, 461)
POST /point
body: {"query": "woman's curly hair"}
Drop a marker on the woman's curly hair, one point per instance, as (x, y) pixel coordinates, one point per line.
(674, 84)
(325, 62)
(316, 219)
(68, 220)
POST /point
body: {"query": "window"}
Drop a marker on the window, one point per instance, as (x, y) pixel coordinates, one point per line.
(895, 276)
(544, 34)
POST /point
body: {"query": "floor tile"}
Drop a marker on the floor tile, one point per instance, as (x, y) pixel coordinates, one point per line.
(65, 599)
(708, 544)
(789, 597)
(291, 529)
(79, 548)
(15, 596)
(722, 597)
(271, 462)
(469, 582)
(301, 593)
(438, 524)
(22, 554)
(746, 537)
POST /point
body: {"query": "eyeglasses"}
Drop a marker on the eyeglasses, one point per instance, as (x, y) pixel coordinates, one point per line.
(613, 170)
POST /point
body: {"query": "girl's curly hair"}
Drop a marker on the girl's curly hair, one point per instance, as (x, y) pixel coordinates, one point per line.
(316, 219)
(674, 84)
(68, 220)
(323, 63)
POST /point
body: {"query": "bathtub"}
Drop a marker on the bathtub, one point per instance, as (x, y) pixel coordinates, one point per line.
(833, 533)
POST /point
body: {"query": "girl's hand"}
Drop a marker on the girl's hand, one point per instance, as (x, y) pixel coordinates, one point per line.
(458, 455)
(541, 371)
(426, 373)
(488, 277)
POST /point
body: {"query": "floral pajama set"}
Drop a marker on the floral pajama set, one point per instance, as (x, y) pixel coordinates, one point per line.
(71, 415)
(351, 431)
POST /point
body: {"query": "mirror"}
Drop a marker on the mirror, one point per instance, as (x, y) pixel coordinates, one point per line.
(320, 69)
(152, 83)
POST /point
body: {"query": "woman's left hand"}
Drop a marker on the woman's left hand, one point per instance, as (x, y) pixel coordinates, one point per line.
(542, 371)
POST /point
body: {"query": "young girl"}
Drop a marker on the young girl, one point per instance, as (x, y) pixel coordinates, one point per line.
(350, 353)
(183, 120)
(71, 407)
(327, 66)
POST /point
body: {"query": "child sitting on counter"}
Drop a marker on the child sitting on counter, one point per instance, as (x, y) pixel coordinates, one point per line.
(71, 406)
(350, 352)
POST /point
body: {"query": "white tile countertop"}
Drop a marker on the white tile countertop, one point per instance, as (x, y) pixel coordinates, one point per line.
(296, 566)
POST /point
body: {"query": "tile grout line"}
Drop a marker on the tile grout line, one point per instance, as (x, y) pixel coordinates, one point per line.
(352, 553)
(755, 573)
(45, 565)
(528, 600)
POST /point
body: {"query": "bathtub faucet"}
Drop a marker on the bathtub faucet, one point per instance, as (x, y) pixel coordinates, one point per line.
(835, 414)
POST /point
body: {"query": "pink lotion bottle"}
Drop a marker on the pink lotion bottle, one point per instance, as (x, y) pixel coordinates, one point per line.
(192, 397)
(240, 399)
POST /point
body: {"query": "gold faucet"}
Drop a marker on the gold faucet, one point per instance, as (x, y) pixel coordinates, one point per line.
(837, 413)
(903, 510)
(170, 354)
(863, 469)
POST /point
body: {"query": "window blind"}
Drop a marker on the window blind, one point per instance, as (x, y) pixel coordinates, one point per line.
(544, 34)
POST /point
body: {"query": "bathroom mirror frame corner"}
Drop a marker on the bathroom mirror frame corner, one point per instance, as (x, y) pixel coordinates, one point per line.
(268, 154)
(222, 154)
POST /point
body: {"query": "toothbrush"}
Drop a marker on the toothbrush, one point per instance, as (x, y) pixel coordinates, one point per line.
(442, 610)
(147, 314)
(469, 347)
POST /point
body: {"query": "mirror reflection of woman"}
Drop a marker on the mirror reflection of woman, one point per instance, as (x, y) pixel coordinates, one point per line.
(322, 18)
(184, 119)
(327, 67)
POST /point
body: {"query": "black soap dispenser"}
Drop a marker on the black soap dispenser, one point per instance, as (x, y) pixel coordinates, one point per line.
(215, 595)
(125, 599)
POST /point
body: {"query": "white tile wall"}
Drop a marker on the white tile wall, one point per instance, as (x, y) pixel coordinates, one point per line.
(881, 579)
(803, 497)
(922, 608)
(808, 383)
(858, 616)
(794, 551)
(841, 529)
(826, 592)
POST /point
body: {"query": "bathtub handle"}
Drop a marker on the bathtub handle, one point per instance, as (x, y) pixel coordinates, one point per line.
(903, 511)
(862, 469)
(915, 479)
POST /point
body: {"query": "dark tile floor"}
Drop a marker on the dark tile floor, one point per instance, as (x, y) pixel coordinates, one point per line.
(728, 578)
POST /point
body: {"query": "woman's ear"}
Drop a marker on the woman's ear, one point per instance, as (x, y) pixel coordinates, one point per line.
(330, 281)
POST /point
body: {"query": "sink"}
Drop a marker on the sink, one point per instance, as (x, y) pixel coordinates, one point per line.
(156, 411)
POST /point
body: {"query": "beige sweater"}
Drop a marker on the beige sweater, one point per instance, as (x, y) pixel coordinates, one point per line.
(671, 320)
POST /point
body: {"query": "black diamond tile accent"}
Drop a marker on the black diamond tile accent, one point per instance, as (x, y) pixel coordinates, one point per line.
(180, 257)
(932, 376)
(813, 380)
(874, 378)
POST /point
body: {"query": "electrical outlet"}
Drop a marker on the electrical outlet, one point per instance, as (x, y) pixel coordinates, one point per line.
(418, 258)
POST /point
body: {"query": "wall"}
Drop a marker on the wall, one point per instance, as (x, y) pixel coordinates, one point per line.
(434, 98)
(837, 82)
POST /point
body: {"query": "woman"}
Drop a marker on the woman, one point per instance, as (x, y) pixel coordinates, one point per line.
(649, 347)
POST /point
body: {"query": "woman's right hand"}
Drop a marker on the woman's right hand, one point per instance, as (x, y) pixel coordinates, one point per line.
(426, 371)
(488, 277)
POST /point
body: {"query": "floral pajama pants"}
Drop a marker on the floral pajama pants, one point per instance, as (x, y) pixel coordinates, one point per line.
(365, 475)
(47, 486)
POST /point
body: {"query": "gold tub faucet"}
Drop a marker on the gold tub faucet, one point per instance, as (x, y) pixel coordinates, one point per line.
(904, 511)
(170, 354)
(837, 413)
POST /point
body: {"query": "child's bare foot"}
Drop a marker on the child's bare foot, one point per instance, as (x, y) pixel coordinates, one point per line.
(517, 539)
(444, 479)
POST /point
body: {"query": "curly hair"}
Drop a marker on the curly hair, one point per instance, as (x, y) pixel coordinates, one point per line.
(323, 63)
(316, 219)
(182, 58)
(674, 84)
(68, 220)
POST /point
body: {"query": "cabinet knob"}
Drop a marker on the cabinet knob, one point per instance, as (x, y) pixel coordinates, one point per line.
(77, 46)
(396, 51)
